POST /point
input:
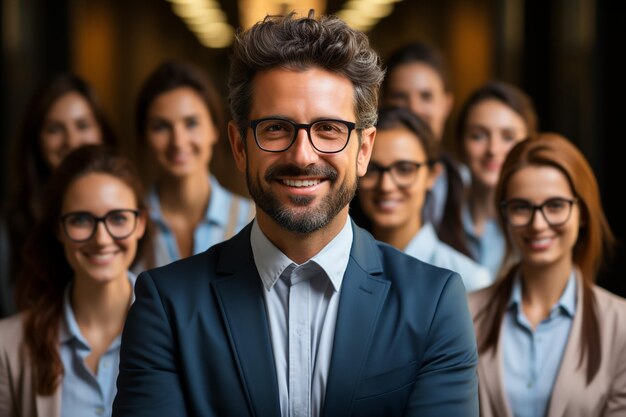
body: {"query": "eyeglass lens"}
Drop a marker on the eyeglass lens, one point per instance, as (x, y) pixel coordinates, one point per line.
(403, 173)
(81, 226)
(277, 135)
(555, 211)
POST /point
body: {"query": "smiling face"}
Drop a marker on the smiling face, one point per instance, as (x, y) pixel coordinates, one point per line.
(101, 258)
(180, 133)
(387, 205)
(418, 87)
(69, 124)
(301, 190)
(538, 243)
(491, 130)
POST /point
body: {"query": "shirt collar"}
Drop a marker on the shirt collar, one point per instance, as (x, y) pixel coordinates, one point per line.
(271, 262)
(216, 211)
(69, 329)
(567, 301)
(424, 243)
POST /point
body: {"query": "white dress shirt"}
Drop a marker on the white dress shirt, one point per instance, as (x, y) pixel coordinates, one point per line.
(301, 303)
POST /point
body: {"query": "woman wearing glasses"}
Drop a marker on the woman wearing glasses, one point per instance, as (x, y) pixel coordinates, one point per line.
(551, 343)
(493, 119)
(392, 193)
(60, 357)
(180, 119)
(61, 116)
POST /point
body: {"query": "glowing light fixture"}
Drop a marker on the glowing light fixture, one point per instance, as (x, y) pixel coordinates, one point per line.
(253, 11)
(364, 14)
(207, 20)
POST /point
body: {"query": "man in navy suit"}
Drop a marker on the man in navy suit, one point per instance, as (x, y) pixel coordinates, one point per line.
(302, 313)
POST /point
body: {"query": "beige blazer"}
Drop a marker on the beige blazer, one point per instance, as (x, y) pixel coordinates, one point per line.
(17, 391)
(571, 397)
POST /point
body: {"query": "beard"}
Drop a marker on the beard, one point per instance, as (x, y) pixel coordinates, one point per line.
(303, 219)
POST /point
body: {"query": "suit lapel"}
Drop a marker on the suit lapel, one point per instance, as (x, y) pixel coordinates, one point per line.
(571, 378)
(240, 298)
(362, 297)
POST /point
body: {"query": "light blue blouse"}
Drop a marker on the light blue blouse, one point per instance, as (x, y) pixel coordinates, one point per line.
(427, 247)
(226, 214)
(84, 394)
(487, 249)
(532, 357)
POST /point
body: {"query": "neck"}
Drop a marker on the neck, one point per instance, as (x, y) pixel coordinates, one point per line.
(543, 286)
(97, 304)
(398, 237)
(189, 194)
(481, 205)
(298, 247)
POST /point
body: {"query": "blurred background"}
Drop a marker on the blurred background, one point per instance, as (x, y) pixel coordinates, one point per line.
(564, 53)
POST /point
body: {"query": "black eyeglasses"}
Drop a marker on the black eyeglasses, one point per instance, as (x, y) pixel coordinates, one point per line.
(80, 226)
(520, 213)
(274, 134)
(403, 173)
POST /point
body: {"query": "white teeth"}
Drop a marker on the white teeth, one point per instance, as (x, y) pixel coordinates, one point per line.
(101, 256)
(387, 203)
(301, 183)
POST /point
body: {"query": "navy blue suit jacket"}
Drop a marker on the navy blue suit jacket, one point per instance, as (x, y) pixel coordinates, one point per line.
(197, 340)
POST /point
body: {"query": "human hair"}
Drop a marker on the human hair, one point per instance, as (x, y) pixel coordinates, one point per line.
(509, 95)
(594, 238)
(30, 171)
(41, 285)
(170, 75)
(299, 44)
(419, 52)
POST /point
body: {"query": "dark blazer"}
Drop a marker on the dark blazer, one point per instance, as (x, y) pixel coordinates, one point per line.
(197, 340)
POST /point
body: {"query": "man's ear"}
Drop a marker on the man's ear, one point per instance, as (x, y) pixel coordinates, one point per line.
(237, 145)
(365, 150)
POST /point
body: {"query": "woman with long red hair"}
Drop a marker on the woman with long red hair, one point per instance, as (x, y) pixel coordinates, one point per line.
(551, 343)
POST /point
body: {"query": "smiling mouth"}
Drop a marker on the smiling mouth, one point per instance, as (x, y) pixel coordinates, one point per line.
(301, 183)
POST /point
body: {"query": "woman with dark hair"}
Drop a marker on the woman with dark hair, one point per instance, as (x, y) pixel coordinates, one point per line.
(392, 193)
(179, 119)
(551, 343)
(418, 79)
(493, 119)
(60, 355)
(62, 115)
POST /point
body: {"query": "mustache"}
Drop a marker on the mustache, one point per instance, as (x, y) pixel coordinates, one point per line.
(290, 170)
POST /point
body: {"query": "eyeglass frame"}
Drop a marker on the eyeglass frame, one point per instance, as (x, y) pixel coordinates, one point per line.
(96, 221)
(297, 127)
(538, 207)
(381, 170)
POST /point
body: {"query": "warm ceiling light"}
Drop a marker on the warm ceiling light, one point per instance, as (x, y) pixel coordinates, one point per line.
(364, 14)
(207, 20)
(253, 11)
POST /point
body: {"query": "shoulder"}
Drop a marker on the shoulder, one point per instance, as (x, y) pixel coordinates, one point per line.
(12, 331)
(610, 307)
(474, 275)
(480, 299)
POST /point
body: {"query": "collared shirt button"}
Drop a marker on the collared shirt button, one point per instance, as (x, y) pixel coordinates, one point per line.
(99, 410)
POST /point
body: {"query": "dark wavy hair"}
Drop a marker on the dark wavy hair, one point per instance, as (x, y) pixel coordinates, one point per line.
(594, 239)
(423, 53)
(30, 172)
(47, 273)
(301, 43)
